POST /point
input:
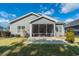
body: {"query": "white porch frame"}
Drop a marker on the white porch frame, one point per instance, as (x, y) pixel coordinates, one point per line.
(54, 29)
(30, 30)
(39, 36)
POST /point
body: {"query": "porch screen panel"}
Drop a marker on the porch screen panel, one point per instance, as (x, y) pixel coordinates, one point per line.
(42, 29)
(35, 30)
(50, 30)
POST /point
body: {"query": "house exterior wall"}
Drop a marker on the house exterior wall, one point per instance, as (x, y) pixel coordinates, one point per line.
(24, 22)
(74, 25)
(60, 31)
(60, 28)
(76, 29)
(43, 21)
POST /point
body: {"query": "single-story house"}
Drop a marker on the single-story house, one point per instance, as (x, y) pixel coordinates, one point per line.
(37, 25)
(75, 25)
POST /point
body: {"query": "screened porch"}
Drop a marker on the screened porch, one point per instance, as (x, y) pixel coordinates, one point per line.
(42, 30)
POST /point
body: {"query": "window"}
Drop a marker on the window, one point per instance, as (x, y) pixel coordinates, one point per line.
(23, 27)
(60, 28)
(49, 28)
(56, 28)
(35, 28)
(42, 28)
(19, 28)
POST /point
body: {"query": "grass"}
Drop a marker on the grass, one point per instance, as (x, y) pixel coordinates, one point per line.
(9, 41)
(39, 50)
(15, 47)
(77, 39)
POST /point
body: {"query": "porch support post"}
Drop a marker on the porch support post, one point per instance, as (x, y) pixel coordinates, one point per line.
(63, 30)
(30, 30)
(54, 29)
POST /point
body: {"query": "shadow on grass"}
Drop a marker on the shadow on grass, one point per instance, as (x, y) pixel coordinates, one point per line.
(49, 50)
(18, 49)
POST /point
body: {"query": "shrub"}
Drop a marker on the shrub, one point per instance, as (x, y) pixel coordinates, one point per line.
(5, 34)
(17, 35)
(0, 33)
(27, 35)
(70, 35)
(8, 34)
(12, 35)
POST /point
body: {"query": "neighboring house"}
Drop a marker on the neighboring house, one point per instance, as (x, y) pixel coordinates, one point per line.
(4, 32)
(4, 28)
(75, 25)
(1, 28)
(37, 25)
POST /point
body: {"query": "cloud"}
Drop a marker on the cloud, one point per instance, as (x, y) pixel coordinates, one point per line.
(68, 7)
(7, 15)
(4, 20)
(45, 10)
(56, 4)
(76, 16)
(17, 9)
(42, 8)
(49, 12)
(72, 19)
(69, 20)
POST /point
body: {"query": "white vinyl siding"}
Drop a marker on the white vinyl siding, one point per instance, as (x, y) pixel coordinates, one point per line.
(24, 22)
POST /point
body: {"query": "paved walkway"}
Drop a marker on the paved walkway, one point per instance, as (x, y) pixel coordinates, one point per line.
(45, 41)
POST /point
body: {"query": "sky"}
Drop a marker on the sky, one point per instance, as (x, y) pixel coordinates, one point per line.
(66, 12)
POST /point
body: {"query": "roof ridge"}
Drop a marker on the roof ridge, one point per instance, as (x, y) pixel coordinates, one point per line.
(49, 17)
(24, 16)
(41, 17)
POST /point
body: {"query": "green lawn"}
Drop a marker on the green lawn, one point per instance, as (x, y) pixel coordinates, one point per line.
(9, 41)
(17, 48)
(77, 39)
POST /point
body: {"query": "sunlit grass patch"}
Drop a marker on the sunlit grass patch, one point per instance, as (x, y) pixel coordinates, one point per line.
(9, 41)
